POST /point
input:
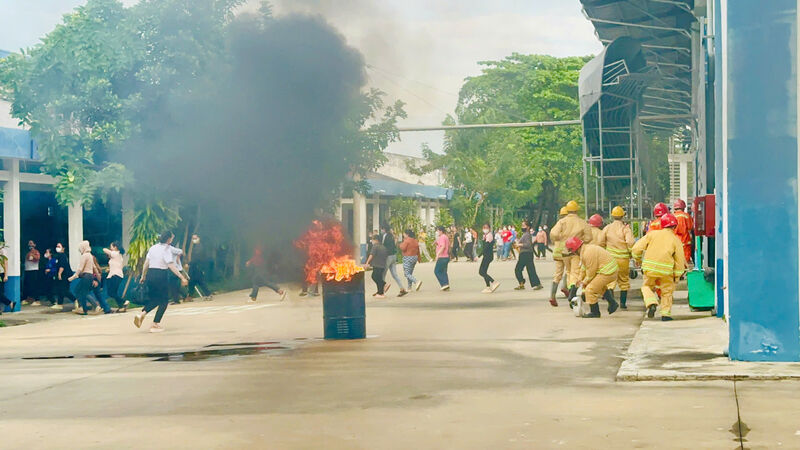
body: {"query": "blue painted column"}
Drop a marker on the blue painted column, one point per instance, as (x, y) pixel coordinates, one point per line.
(760, 202)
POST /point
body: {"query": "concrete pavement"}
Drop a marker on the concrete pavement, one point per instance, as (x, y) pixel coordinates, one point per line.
(455, 369)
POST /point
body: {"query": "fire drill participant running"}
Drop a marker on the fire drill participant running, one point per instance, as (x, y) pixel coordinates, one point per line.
(684, 228)
(663, 264)
(600, 270)
(659, 210)
(569, 227)
(558, 257)
(488, 256)
(618, 240)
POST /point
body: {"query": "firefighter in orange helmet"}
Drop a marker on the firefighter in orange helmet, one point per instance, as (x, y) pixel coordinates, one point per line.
(684, 228)
(599, 270)
(659, 210)
(661, 256)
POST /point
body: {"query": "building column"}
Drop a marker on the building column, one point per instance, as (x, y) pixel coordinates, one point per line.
(760, 173)
(376, 213)
(12, 231)
(339, 210)
(683, 173)
(74, 232)
(359, 225)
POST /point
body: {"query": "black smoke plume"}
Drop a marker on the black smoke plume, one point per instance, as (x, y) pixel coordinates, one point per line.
(265, 136)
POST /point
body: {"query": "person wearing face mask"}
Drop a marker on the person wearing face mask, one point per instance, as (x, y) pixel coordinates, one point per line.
(487, 258)
(525, 260)
(199, 261)
(63, 271)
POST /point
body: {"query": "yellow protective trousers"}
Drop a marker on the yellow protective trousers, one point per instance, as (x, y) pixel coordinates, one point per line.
(573, 267)
(597, 287)
(623, 279)
(667, 286)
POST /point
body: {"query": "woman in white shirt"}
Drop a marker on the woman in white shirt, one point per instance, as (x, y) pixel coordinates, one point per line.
(114, 277)
(160, 259)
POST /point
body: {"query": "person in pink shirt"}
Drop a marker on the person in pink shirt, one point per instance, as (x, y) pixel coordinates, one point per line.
(442, 258)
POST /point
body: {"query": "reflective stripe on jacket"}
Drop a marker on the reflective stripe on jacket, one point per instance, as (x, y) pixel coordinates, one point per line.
(661, 253)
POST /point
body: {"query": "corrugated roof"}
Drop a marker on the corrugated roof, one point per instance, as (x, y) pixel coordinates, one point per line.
(395, 188)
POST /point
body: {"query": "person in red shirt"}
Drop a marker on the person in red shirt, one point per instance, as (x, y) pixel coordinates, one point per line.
(684, 228)
(505, 235)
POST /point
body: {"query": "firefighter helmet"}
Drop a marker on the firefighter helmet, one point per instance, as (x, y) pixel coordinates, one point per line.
(668, 221)
(572, 206)
(660, 209)
(596, 220)
(618, 212)
(563, 211)
(679, 204)
(573, 244)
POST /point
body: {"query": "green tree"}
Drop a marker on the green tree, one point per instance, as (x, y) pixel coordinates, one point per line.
(507, 167)
(405, 215)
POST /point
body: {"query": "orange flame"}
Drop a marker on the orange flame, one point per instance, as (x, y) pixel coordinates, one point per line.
(325, 245)
(341, 269)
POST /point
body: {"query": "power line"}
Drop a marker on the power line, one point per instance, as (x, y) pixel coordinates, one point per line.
(558, 123)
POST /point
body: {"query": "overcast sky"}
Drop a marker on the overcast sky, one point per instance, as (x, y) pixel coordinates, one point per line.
(419, 51)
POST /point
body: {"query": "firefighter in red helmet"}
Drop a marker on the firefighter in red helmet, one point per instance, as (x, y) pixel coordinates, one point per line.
(596, 227)
(658, 211)
(600, 270)
(661, 255)
(684, 228)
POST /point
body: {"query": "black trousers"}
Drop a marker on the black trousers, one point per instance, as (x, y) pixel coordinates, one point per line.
(157, 292)
(525, 261)
(112, 289)
(377, 277)
(3, 299)
(30, 284)
(261, 279)
(484, 269)
(468, 250)
(197, 279)
(61, 288)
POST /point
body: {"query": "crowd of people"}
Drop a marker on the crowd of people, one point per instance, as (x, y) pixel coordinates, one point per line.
(449, 244)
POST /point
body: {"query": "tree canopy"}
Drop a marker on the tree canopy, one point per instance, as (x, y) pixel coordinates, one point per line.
(507, 168)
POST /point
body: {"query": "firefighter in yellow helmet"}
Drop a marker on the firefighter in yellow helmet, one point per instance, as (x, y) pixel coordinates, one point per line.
(664, 263)
(569, 227)
(618, 240)
(558, 257)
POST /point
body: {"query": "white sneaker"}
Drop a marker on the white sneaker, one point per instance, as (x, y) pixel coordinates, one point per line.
(138, 319)
(417, 285)
(486, 290)
(36, 303)
(57, 307)
(446, 287)
(494, 286)
(156, 328)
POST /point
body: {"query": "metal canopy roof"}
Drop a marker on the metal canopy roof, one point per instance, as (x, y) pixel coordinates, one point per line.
(663, 29)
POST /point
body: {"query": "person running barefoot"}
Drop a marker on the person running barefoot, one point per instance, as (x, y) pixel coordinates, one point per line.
(488, 257)
(158, 262)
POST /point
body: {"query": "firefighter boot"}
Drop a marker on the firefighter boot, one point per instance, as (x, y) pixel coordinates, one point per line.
(553, 295)
(573, 291)
(623, 299)
(594, 312)
(612, 304)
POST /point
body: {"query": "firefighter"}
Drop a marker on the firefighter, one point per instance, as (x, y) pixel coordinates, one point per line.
(558, 257)
(684, 228)
(663, 263)
(596, 227)
(618, 240)
(659, 210)
(569, 227)
(600, 270)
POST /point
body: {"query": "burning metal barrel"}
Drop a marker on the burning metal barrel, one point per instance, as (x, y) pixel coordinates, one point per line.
(343, 305)
(343, 308)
